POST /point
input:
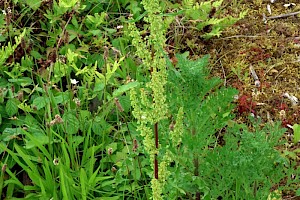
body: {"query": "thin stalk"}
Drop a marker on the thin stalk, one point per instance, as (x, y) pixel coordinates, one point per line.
(156, 145)
(196, 165)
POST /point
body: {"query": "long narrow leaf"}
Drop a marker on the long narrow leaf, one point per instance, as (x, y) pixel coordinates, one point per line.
(83, 180)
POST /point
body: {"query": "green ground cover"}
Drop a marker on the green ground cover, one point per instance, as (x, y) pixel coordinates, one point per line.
(122, 100)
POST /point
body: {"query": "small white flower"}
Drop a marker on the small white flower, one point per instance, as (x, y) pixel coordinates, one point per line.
(119, 27)
(3, 12)
(74, 81)
(8, 10)
(272, 1)
(236, 97)
(56, 161)
(77, 101)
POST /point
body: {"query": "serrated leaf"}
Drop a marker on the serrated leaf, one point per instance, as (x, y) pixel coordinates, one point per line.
(217, 3)
(71, 123)
(40, 102)
(296, 129)
(11, 107)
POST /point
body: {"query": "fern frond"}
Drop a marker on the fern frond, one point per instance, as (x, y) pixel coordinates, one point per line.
(188, 4)
(8, 50)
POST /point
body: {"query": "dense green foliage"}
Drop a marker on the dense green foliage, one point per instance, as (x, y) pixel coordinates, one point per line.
(89, 101)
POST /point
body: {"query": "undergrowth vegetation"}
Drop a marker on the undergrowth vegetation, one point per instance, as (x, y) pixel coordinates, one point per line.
(92, 107)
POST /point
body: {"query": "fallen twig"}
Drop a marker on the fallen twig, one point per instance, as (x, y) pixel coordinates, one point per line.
(294, 100)
(280, 16)
(254, 75)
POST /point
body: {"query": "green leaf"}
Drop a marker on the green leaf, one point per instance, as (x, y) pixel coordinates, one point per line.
(111, 147)
(110, 30)
(109, 198)
(11, 107)
(298, 192)
(77, 140)
(83, 181)
(24, 81)
(67, 3)
(75, 22)
(134, 7)
(71, 123)
(33, 4)
(11, 133)
(35, 54)
(26, 108)
(125, 88)
(40, 102)
(63, 97)
(99, 87)
(125, 102)
(42, 139)
(296, 129)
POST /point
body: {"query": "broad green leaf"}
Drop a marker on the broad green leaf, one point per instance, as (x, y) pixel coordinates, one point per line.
(24, 81)
(67, 3)
(125, 102)
(11, 107)
(63, 97)
(33, 4)
(125, 88)
(111, 148)
(77, 140)
(99, 87)
(42, 139)
(35, 54)
(298, 192)
(40, 102)
(11, 133)
(71, 123)
(110, 30)
(296, 129)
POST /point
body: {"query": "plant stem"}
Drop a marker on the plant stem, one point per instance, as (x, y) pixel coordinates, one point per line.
(156, 145)
(196, 165)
